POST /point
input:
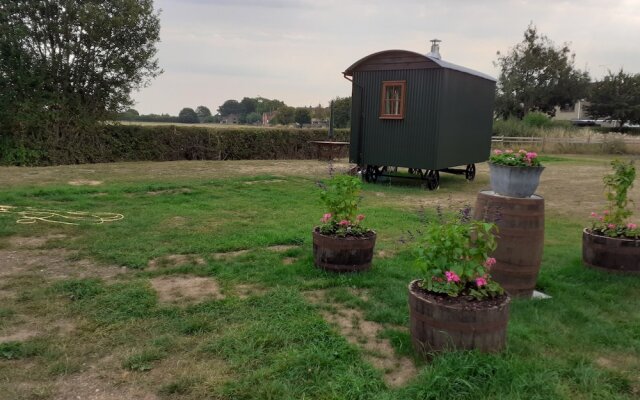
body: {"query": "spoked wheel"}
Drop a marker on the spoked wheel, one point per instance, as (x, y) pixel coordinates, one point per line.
(470, 172)
(372, 173)
(416, 171)
(433, 179)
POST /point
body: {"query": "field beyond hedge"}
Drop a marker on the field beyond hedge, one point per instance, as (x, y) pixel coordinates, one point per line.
(199, 283)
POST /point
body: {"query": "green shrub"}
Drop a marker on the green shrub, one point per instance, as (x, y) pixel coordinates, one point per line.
(536, 120)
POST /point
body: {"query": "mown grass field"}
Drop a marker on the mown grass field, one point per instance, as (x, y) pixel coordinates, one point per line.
(206, 289)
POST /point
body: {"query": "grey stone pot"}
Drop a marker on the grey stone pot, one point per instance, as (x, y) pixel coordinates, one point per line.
(514, 181)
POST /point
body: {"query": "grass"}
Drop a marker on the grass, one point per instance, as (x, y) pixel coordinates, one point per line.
(274, 343)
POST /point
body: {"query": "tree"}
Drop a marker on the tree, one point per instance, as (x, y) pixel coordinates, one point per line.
(341, 112)
(249, 104)
(203, 112)
(66, 65)
(302, 116)
(537, 76)
(616, 98)
(284, 115)
(265, 105)
(231, 107)
(253, 117)
(188, 116)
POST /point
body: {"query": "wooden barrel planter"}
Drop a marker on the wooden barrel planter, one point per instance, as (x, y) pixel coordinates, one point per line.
(611, 254)
(343, 254)
(441, 323)
(520, 239)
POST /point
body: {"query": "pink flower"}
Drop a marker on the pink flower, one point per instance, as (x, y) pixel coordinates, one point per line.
(452, 276)
(631, 226)
(611, 226)
(594, 215)
(344, 222)
(490, 262)
(531, 155)
(480, 282)
(325, 218)
(606, 212)
(497, 152)
(508, 151)
(360, 217)
(522, 151)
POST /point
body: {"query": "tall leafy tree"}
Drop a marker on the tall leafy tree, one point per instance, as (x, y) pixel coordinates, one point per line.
(616, 98)
(285, 115)
(535, 75)
(67, 64)
(188, 116)
(231, 107)
(341, 112)
(203, 112)
(302, 116)
(249, 104)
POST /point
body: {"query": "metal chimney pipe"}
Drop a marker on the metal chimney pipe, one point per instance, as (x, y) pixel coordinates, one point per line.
(435, 49)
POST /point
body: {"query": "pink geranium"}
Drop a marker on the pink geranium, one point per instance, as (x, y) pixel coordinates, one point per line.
(344, 222)
(360, 217)
(480, 282)
(490, 262)
(611, 226)
(508, 151)
(452, 276)
(631, 226)
(497, 152)
(325, 218)
(532, 155)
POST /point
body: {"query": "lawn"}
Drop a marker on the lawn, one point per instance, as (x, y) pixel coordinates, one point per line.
(205, 288)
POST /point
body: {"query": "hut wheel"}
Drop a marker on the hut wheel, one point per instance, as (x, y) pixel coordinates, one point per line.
(470, 172)
(433, 179)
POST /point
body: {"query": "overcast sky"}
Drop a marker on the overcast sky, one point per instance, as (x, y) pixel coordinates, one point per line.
(295, 50)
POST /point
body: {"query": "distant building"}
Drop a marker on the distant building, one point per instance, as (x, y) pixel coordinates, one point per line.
(267, 117)
(230, 119)
(570, 112)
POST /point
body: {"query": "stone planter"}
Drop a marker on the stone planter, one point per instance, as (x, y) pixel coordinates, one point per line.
(441, 323)
(343, 254)
(514, 181)
(610, 254)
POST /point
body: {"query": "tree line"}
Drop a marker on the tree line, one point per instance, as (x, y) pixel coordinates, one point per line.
(250, 110)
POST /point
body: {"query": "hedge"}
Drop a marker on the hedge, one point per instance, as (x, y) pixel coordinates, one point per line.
(166, 143)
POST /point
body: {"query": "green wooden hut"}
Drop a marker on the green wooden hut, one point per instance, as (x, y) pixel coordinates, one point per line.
(420, 112)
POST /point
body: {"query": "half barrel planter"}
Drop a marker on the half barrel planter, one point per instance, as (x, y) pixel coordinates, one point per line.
(343, 254)
(438, 325)
(520, 239)
(514, 181)
(611, 254)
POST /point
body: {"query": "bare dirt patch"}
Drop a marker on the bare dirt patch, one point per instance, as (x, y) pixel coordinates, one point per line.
(281, 248)
(84, 182)
(18, 335)
(31, 242)
(289, 260)
(229, 254)
(247, 290)
(29, 328)
(175, 260)
(53, 264)
(169, 191)
(365, 334)
(186, 289)
(264, 181)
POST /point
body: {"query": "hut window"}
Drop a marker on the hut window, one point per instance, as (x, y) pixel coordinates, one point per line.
(392, 104)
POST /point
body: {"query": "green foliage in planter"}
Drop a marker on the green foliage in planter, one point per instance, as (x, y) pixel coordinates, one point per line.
(614, 221)
(453, 251)
(341, 197)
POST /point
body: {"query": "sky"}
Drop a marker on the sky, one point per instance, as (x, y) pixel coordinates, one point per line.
(296, 50)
